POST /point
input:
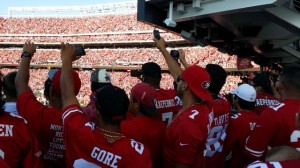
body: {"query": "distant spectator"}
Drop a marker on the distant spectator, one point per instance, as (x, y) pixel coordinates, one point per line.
(10, 92)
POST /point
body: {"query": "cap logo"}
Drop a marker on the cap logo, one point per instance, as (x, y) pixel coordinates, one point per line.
(205, 84)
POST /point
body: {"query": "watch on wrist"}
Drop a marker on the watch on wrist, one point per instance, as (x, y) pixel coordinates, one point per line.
(26, 54)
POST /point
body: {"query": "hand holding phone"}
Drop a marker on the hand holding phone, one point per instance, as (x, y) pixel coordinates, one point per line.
(79, 51)
(156, 34)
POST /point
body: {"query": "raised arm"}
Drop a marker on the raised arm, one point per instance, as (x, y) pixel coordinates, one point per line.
(174, 67)
(66, 79)
(22, 77)
(182, 58)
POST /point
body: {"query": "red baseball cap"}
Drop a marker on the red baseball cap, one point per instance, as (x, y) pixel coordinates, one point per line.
(56, 82)
(146, 95)
(198, 80)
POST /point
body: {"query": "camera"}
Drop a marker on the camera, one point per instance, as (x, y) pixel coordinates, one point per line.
(135, 73)
(156, 34)
(79, 51)
(175, 54)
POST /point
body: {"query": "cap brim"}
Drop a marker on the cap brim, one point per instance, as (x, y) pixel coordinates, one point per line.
(234, 91)
(202, 94)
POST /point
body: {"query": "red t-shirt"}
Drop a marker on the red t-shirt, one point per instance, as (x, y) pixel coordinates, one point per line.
(281, 164)
(214, 153)
(86, 146)
(148, 131)
(167, 104)
(276, 127)
(264, 100)
(240, 126)
(3, 164)
(46, 124)
(186, 136)
(18, 146)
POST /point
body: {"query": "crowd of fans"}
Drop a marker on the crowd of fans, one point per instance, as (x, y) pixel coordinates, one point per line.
(72, 25)
(197, 55)
(121, 79)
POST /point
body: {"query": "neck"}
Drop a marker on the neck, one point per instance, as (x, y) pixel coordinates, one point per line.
(10, 99)
(189, 99)
(110, 127)
(290, 95)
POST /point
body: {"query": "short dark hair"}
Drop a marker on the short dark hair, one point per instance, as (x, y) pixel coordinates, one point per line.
(112, 102)
(1, 95)
(96, 85)
(245, 104)
(290, 75)
(218, 77)
(9, 86)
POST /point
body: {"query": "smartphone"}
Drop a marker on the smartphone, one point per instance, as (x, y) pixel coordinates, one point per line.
(174, 54)
(156, 34)
(79, 51)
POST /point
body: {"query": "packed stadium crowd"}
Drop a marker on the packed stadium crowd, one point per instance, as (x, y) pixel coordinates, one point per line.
(197, 55)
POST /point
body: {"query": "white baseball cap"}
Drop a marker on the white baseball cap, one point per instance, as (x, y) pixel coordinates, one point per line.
(245, 92)
(100, 76)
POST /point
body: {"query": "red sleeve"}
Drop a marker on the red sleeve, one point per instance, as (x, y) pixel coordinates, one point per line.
(259, 138)
(31, 109)
(188, 142)
(3, 164)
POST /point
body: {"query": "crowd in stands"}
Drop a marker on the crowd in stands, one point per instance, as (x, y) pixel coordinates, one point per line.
(121, 79)
(197, 55)
(72, 25)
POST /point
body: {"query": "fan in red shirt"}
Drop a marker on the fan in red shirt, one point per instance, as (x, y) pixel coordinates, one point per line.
(99, 79)
(264, 97)
(143, 126)
(282, 164)
(214, 153)
(100, 144)
(241, 124)
(18, 146)
(167, 102)
(276, 125)
(45, 122)
(186, 136)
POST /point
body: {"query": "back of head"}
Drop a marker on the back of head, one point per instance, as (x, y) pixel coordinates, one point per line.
(218, 77)
(1, 96)
(146, 96)
(282, 153)
(290, 75)
(99, 79)
(263, 81)
(112, 102)
(246, 95)
(9, 86)
(55, 82)
(152, 73)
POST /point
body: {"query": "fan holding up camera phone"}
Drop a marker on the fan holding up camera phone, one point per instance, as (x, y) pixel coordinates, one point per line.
(156, 34)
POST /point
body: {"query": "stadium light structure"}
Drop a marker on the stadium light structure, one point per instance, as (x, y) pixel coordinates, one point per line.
(169, 21)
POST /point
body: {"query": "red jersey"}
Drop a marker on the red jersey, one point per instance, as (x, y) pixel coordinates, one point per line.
(3, 164)
(86, 146)
(214, 153)
(281, 164)
(240, 126)
(264, 100)
(276, 127)
(186, 137)
(167, 104)
(18, 146)
(46, 124)
(148, 131)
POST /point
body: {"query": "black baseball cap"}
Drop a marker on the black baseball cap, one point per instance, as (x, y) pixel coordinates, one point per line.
(112, 102)
(151, 69)
(261, 80)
